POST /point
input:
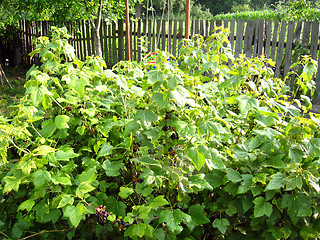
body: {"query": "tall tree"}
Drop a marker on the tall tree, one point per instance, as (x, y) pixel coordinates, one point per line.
(66, 10)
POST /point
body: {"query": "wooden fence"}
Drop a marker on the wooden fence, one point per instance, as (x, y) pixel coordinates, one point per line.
(276, 40)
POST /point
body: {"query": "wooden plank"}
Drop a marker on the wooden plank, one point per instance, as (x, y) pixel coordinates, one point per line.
(231, 37)
(306, 33)
(114, 44)
(133, 40)
(180, 34)
(211, 27)
(110, 52)
(150, 30)
(139, 35)
(120, 40)
(256, 39)
(175, 38)
(218, 23)
(88, 42)
(156, 34)
(297, 36)
(83, 42)
(226, 23)
(268, 38)
(202, 33)
(274, 39)
(261, 36)
(105, 40)
(287, 60)
(280, 48)
(207, 25)
(248, 36)
(169, 35)
(196, 27)
(314, 40)
(239, 37)
(163, 35)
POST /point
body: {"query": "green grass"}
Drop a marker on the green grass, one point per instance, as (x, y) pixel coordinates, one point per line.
(17, 77)
(252, 15)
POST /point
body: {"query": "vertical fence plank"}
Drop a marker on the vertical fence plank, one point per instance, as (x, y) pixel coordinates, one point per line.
(248, 37)
(114, 43)
(274, 39)
(314, 40)
(175, 38)
(88, 42)
(239, 37)
(169, 35)
(231, 38)
(280, 48)
(211, 27)
(268, 38)
(120, 40)
(110, 52)
(306, 33)
(261, 36)
(163, 35)
(202, 28)
(180, 35)
(150, 30)
(287, 60)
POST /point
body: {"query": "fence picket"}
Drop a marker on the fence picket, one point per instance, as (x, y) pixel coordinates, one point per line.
(239, 37)
(280, 48)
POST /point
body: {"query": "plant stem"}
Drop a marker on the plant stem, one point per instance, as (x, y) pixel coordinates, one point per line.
(45, 231)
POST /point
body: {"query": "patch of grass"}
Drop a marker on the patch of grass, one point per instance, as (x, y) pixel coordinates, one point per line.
(17, 78)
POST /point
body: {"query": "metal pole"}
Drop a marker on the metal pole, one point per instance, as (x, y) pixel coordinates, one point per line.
(187, 19)
(128, 31)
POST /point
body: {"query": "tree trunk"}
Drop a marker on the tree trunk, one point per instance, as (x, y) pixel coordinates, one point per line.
(97, 42)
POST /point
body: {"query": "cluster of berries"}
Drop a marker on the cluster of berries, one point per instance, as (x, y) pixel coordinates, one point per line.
(102, 216)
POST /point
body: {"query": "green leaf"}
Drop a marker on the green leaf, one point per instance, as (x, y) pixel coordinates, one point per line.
(146, 117)
(198, 159)
(233, 175)
(112, 168)
(65, 154)
(174, 219)
(125, 192)
(277, 181)
(61, 180)
(313, 147)
(155, 76)
(116, 207)
(40, 178)
(247, 103)
(105, 149)
(74, 214)
(65, 200)
(261, 207)
(83, 188)
(180, 94)
(221, 224)
(12, 183)
(158, 201)
(26, 205)
(139, 229)
(47, 128)
(61, 121)
(198, 216)
(43, 150)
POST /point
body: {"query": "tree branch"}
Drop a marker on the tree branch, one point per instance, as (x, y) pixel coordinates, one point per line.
(45, 231)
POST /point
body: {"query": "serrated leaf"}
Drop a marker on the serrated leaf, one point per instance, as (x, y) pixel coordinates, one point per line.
(174, 219)
(61, 121)
(261, 207)
(198, 159)
(221, 224)
(155, 76)
(12, 183)
(158, 201)
(112, 168)
(247, 103)
(116, 207)
(26, 205)
(125, 192)
(277, 181)
(83, 188)
(65, 200)
(74, 214)
(198, 216)
(139, 229)
(233, 175)
(146, 117)
(105, 149)
(61, 180)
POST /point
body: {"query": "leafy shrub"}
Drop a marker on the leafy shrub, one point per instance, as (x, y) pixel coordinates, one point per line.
(189, 149)
(267, 14)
